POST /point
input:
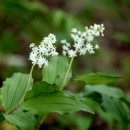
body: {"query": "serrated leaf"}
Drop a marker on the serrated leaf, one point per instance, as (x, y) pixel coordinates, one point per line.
(23, 120)
(13, 89)
(97, 78)
(106, 90)
(56, 70)
(55, 102)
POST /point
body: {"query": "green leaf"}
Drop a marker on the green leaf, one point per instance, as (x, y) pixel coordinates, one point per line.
(111, 102)
(105, 115)
(92, 104)
(41, 88)
(1, 118)
(1, 107)
(123, 37)
(55, 102)
(106, 90)
(79, 122)
(88, 101)
(117, 109)
(13, 90)
(23, 120)
(97, 78)
(56, 70)
(83, 123)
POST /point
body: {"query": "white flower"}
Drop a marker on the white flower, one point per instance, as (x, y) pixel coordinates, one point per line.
(74, 30)
(41, 61)
(32, 45)
(84, 34)
(53, 53)
(40, 54)
(91, 51)
(96, 46)
(72, 53)
(33, 57)
(63, 41)
(75, 37)
(46, 62)
(98, 29)
(77, 45)
(65, 47)
(90, 38)
(79, 33)
(82, 51)
(52, 38)
(64, 53)
(89, 48)
(83, 41)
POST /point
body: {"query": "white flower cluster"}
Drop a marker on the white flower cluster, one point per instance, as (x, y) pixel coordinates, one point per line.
(39, 54)
(83, 41)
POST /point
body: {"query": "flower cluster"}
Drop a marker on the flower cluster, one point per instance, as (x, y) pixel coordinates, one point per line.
(83, 41)
(39, 54)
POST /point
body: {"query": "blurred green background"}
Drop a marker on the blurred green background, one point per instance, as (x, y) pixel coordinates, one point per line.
(25, 21)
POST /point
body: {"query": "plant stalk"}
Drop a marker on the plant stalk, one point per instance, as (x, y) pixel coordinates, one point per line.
(67, 72)
(25, 91)
(30, 74)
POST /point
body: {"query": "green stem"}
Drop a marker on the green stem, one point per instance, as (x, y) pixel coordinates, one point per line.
(67, 72)
(26, 89)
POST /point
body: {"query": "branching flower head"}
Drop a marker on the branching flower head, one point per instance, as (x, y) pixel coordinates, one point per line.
(40, 54)
(83, 41)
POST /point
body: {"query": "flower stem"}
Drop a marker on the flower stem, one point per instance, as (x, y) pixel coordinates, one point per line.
(26, 89)
(30, 74)
(67, 72)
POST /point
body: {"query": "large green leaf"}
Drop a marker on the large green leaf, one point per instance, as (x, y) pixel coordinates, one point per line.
(55, 102)
(13, 90)
(111, 102)
(41, 88)
(23, 120)
(106, 90)
(56, 70)
(117, 109)
(97, 78)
